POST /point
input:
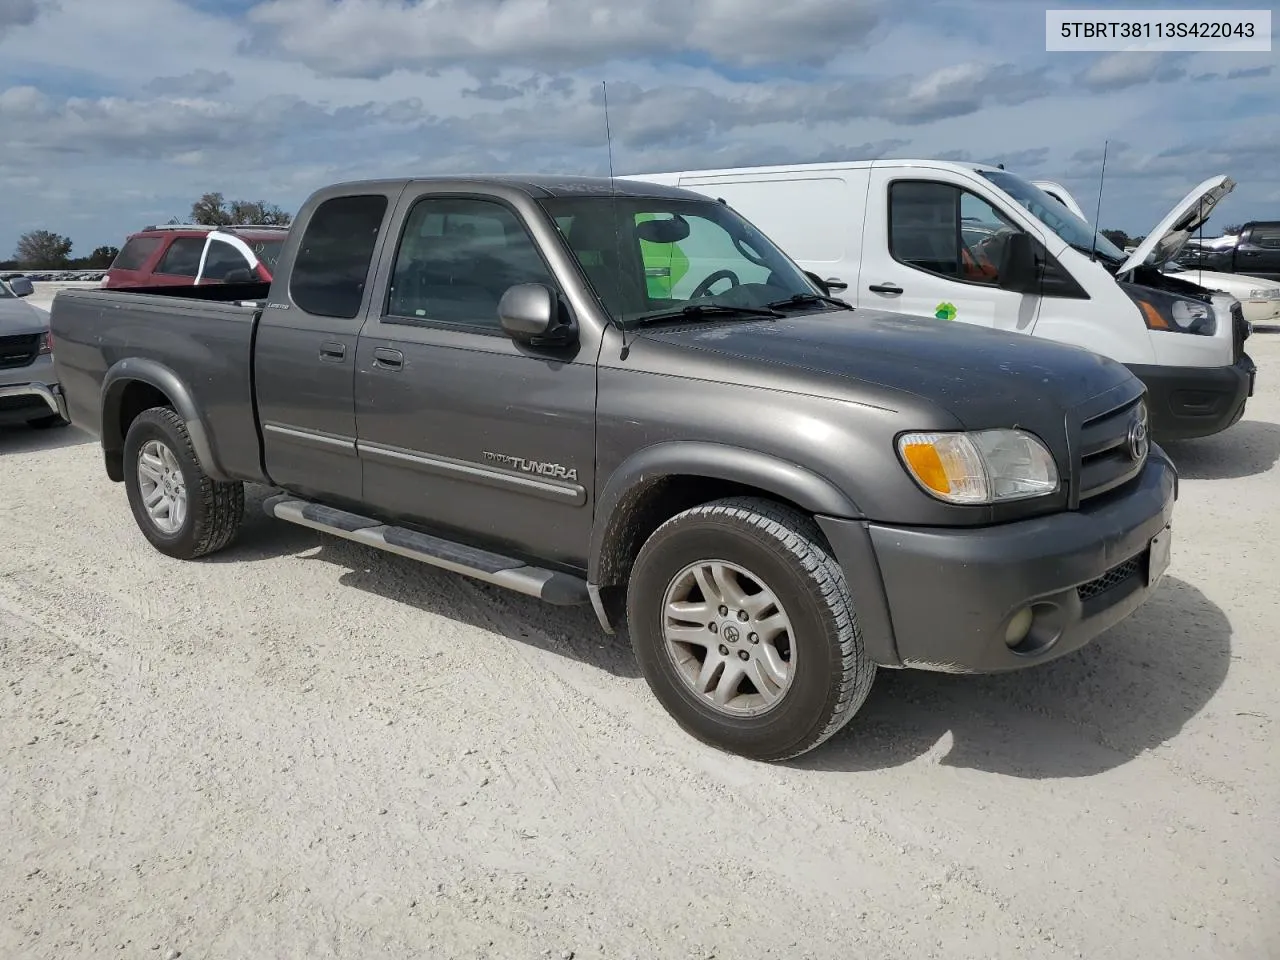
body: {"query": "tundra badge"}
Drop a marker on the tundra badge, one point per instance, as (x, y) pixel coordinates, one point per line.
(555, 470)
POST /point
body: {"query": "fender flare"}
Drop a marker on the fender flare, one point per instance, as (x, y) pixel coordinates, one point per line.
(132, 369)
(694, 458)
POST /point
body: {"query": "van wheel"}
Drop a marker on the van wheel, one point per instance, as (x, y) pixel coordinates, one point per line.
(177, 506)
(744, 629)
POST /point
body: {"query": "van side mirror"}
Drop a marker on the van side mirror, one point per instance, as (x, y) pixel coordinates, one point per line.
(1018, 272)
(21, 287)
(530, 313)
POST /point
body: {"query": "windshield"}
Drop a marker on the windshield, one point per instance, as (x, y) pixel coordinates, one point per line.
(652, 256)
(1054, 215)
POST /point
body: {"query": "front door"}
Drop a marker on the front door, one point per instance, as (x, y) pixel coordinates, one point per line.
(306, 350)
(932, 249)
(461, 429)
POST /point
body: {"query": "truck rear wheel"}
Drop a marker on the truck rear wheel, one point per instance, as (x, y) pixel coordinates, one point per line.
(744, 629)
(177, 506)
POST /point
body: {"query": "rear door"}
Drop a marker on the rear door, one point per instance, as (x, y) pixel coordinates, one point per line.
(306, 347)
(462, 429)
(931, 248)
(1258, 252)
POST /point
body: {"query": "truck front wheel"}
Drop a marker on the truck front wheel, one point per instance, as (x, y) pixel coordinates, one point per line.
(179, 508)
(744, 629)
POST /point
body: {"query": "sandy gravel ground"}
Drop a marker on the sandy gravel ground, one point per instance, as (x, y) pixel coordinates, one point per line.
(303, 748)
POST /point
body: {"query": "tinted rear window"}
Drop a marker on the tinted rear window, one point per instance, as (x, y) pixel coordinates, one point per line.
(136, 253)
(332, 265)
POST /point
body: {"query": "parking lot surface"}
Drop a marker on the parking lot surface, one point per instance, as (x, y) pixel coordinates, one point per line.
(301, 747)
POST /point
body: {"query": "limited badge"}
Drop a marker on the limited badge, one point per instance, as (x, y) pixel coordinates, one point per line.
(945, 311)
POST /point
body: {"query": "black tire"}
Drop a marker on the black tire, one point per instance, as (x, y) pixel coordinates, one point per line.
(215, 509)
(46, 423)
(785, 550)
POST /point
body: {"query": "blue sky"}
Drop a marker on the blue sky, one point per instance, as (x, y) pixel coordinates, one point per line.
(117, 114)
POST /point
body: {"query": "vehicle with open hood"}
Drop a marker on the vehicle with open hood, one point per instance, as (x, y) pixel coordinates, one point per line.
(1259, 296)
(625, 395)
(980, 245)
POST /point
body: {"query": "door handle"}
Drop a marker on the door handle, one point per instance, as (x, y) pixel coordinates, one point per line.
(333, 351)
(387, 358)
(1249, 253)
(885, 288)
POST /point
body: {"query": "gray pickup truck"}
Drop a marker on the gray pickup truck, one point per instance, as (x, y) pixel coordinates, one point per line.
(622, 394)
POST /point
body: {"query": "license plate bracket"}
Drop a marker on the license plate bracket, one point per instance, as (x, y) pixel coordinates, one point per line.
(1159, 551)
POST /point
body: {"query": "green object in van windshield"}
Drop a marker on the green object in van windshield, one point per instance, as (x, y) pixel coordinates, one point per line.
(664, 264)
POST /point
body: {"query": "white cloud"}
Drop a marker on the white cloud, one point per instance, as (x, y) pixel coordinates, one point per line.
(1119, 71)
(370, 38)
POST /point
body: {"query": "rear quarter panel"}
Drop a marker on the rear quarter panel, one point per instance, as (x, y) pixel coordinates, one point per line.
(101, 335)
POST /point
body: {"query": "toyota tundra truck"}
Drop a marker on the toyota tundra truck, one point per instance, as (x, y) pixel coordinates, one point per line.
(615, 393)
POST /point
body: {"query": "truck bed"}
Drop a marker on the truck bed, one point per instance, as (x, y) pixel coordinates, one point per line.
(197, 338)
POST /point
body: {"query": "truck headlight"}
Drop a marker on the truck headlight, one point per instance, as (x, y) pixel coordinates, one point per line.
(1173, 313)
(990, 466)
(1265, 293)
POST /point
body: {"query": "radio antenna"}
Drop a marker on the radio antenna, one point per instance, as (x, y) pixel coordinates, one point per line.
(617, 229)
(1093, 253)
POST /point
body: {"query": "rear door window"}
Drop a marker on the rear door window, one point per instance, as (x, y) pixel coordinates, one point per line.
(182, 259)
(332, 265)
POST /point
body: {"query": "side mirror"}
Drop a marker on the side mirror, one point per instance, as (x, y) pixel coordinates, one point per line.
(21, 287)
(530, 313)
(239, 275)
(1018, 272)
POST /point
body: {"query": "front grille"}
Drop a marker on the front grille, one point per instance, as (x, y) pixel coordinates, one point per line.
(1113, 578)
(23, 401)
(19, 351)
(1105, 459)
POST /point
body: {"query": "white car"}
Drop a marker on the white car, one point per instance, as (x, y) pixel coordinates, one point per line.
(1259, 298)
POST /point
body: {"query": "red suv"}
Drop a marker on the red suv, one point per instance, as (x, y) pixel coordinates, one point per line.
(179, 254)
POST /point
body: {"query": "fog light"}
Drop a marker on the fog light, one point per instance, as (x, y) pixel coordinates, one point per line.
(1018, 627)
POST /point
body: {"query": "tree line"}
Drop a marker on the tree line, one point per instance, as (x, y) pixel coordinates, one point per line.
(46, 250)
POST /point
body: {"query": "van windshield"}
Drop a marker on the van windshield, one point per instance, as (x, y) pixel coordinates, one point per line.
(651, 256)
(1049, 211)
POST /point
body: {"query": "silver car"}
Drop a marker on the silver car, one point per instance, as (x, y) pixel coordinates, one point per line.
(29, 391)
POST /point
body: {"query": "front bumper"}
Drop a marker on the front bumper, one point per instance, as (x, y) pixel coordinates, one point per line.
(942, 599)
(1189, 402)
(24, 402)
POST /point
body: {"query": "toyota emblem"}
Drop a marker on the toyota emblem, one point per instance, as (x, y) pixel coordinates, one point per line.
(1139, 442)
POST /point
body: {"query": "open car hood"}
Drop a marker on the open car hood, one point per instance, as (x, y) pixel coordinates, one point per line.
(1166, 241)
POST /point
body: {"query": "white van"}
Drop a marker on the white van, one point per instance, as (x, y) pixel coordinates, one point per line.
(977, 244)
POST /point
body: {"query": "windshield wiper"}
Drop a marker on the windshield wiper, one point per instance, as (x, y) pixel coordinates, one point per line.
(803, 299)
(707, 310)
